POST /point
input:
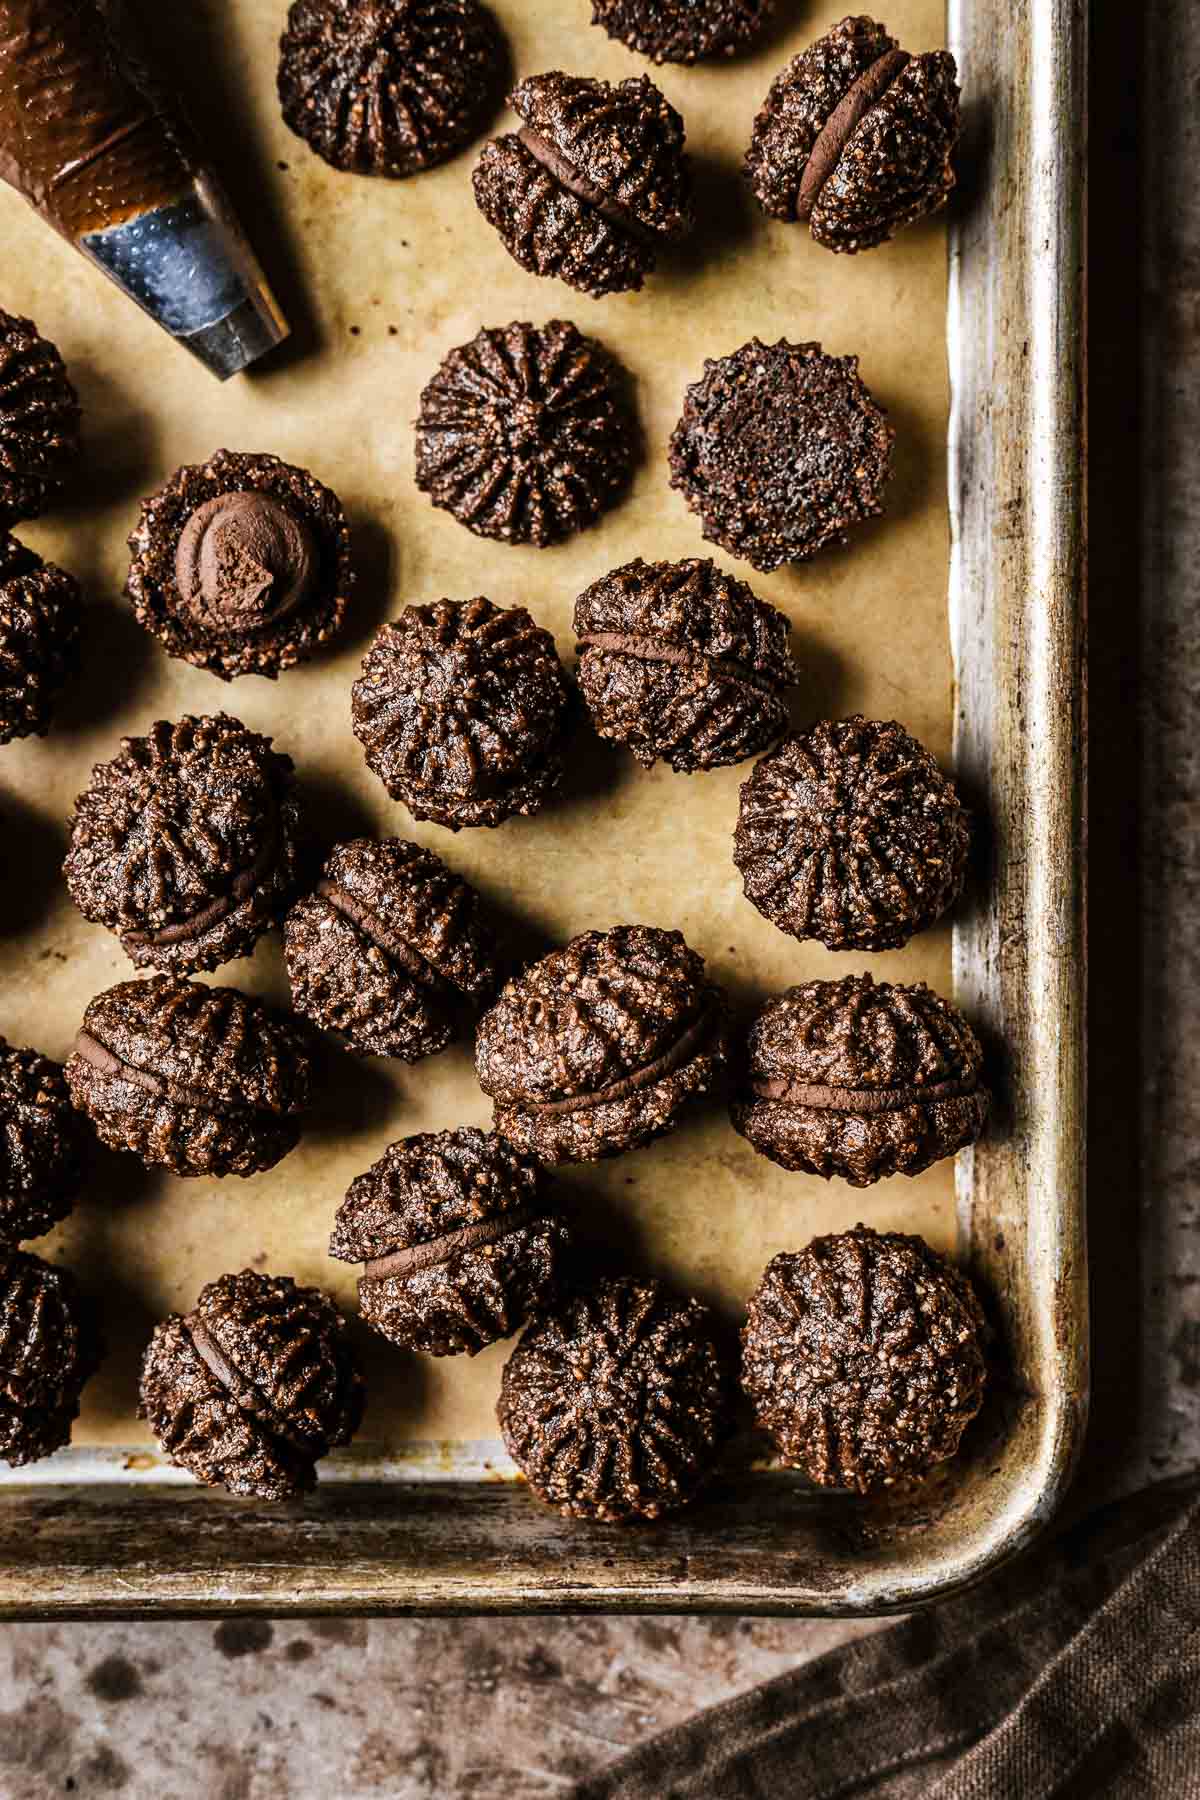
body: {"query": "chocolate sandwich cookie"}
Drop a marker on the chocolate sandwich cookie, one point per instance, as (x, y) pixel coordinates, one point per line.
(593, 186)
(202, 1080)
(39, 422)
(43, 1145)
(389, 87)
(49, 1349)
(863, 1356)
(851, 834)
(856, 137)
(683, 31)
(615, 1405)
(523, 435)
(598, 1048)
(392, 951)
(185, 844)
(459, 1237)
(683, 663)
(241, 565)
(40, 616)
(254, 1386)
(860, 1079)
(781, 450)
(462, 709)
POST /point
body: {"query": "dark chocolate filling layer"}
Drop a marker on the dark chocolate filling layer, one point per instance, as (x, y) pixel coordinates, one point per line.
(583, 188)
(476, 1236)
(860, 1100)
(243, 1391)
(101, 1058)
(841, 125)
(373, 927)
(240, 888)
(629, 643)
(679, 1053)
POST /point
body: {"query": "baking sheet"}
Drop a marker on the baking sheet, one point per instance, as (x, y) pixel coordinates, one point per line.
(380, 280)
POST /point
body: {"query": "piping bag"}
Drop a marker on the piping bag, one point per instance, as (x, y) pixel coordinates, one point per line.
(91, 138)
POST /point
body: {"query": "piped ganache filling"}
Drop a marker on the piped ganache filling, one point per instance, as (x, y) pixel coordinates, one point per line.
(459, 1237)
(392, 952)
(202, 1080)
(597, 1048)
(185, 844)
(861, 1080)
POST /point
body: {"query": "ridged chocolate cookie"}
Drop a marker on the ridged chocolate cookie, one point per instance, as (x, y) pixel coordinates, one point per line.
(43, 1145)
(460, 1240)
(202, 1080)
(392, 952)
(40, 618)
(599, 1047)
(49, 1349)
(39, 421)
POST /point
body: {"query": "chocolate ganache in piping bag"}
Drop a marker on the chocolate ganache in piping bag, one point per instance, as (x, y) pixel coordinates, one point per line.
(93, 142)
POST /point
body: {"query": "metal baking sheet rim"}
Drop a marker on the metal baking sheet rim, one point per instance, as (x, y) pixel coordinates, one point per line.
(450, 1532)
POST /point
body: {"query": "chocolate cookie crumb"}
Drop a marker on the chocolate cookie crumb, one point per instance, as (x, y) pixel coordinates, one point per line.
(863, 1357)
(40, 616)
(49, 1349)
(202, 1080)
(389, 87)
(683, 31)
(594, 183)
(523, 435)
(39, 421)
(851, 834)
(681, 662)
(392, 951)
(254, 1386)
(597, 1048)
(860, 1079)
(462, 710)
(615, 1406)
(42, 1145)
(460, 1240)
(241, 565)
(781, 450)
(856, 137)
(185, 844)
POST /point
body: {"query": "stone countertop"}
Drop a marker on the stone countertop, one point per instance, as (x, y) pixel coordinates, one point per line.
(516, 1709)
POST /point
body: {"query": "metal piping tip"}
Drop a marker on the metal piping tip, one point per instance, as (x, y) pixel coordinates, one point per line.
(188, 264)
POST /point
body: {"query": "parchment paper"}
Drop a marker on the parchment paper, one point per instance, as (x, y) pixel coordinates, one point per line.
(381, 279)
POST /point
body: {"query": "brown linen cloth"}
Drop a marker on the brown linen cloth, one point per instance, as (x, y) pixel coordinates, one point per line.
(1075, 1674)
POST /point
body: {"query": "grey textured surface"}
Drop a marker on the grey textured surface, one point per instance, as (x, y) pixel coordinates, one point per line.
(521, 1708)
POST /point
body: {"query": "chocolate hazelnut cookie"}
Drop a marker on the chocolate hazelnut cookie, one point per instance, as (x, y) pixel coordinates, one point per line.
(389, 87)
(683, 663)
(594, 183)
(391, 952)
(254, 1386)
(597, 1048)
(185, 844)
(42, 1145)
(241, 565)
(856, 137)
(462, 709)
(40, 617)
(39, 421)
(781, 451)
(459, 1239)
(863, 1355)
(683, 31)
(49, 1350)
(202, 1080)
(860, 1079)
(851, 834)
(614, 1407)
(523, 435)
